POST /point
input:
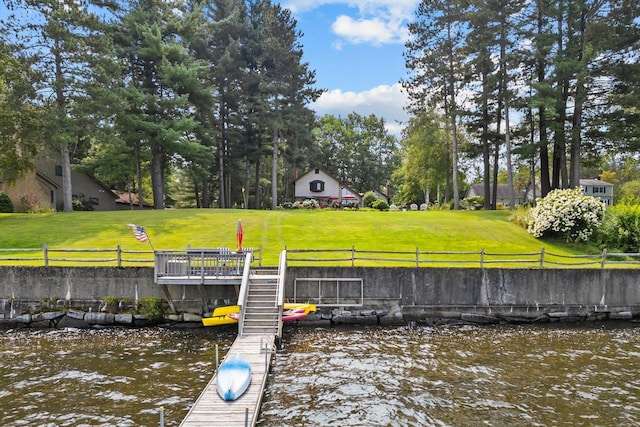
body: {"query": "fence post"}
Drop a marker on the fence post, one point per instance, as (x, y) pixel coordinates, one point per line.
(604, 257)
(45, 254)
(542, 257)
(119, 252)
(353, 255)
(417, 257)
(482, 258)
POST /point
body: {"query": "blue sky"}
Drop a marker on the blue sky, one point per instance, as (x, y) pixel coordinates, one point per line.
(356, 49)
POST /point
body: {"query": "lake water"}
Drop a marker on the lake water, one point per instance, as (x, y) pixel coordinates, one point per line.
(557, 375)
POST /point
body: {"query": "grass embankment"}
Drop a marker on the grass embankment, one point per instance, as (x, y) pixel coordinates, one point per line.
(274, 230)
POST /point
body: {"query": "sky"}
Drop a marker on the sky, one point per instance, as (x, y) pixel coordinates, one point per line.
(355, 48)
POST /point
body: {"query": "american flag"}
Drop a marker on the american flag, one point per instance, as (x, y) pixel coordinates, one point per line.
(139, 232)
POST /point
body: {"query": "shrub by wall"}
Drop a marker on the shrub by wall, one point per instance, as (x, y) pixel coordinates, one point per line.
(6, 206)
(620, 230)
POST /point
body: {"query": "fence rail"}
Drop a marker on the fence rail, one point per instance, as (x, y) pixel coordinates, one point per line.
(47, 256)
(483, 259)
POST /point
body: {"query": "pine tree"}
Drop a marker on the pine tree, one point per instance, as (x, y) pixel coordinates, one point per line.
(53, 36)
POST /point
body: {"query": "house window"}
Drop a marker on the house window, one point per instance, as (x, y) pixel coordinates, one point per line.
(317, 171)
(316, 186)
(58, 170)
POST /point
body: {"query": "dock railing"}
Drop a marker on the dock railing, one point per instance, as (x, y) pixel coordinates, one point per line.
(282, 277)
(244, 291)
(200, 263)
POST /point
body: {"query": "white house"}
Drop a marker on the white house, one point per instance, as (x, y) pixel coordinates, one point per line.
(318, 184)
(599, 189)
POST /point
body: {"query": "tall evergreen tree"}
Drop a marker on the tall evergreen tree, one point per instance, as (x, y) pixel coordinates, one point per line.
(19, 119)
(437, 66)
(158, 79)
(286, 82)
(53, 36)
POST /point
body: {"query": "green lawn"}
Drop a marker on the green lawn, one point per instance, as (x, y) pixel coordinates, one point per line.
(274, 230)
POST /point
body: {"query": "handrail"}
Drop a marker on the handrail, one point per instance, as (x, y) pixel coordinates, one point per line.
(282, 275)
(244, 290)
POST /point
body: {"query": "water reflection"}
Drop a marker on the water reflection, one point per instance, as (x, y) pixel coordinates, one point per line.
(455, 376)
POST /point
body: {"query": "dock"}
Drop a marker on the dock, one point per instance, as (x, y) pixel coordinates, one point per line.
(210, 410)
(260, 300)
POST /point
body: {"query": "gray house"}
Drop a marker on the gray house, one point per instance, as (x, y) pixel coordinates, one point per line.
(503, 194)
(42, 189)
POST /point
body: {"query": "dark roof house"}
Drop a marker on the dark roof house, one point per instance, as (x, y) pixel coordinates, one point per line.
(41, 189)
(503, 194)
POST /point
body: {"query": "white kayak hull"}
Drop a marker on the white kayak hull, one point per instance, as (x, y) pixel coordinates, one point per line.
(233, 378)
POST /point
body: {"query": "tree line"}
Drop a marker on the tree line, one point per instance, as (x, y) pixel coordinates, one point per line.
(195, 103)
(552, 84)
(135, 91)
(205, 102)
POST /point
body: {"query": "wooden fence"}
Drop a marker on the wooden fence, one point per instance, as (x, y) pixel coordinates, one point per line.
(118, 257)
(483, 259)
(46, 256)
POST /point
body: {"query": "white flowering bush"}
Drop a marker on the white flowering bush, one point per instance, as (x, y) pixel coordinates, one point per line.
(568, 213)
(306, 204)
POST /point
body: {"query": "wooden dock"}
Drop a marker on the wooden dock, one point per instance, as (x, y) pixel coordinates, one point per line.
(210, 410)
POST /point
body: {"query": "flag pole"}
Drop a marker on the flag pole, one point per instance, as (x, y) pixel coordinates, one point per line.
(141, 234)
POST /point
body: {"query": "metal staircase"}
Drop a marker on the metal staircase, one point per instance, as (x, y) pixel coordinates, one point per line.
(261, 299)
(261, 312)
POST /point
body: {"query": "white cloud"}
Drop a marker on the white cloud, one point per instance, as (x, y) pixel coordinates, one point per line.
(384, 101)
(374, 31)
(300, 6)
(374, 21)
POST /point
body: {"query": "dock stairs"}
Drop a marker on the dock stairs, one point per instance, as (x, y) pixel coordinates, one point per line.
(261, 313)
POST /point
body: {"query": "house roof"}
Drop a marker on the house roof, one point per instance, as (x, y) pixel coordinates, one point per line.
(595, 182)
(502, 192)
(127, 197)
(46, 180)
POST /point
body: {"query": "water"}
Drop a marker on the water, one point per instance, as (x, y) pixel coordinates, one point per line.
(585, 375)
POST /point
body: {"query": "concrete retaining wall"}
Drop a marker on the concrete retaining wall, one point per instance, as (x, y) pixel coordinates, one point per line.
(490, 295)
(402, 294)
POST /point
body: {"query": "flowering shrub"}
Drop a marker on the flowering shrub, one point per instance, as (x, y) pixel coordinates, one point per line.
(306, 204)
(568, 213)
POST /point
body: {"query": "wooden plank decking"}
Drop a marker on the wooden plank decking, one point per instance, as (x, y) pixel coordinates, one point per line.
(210, 410)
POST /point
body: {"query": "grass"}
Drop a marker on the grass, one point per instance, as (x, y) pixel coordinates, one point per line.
(273, 231)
